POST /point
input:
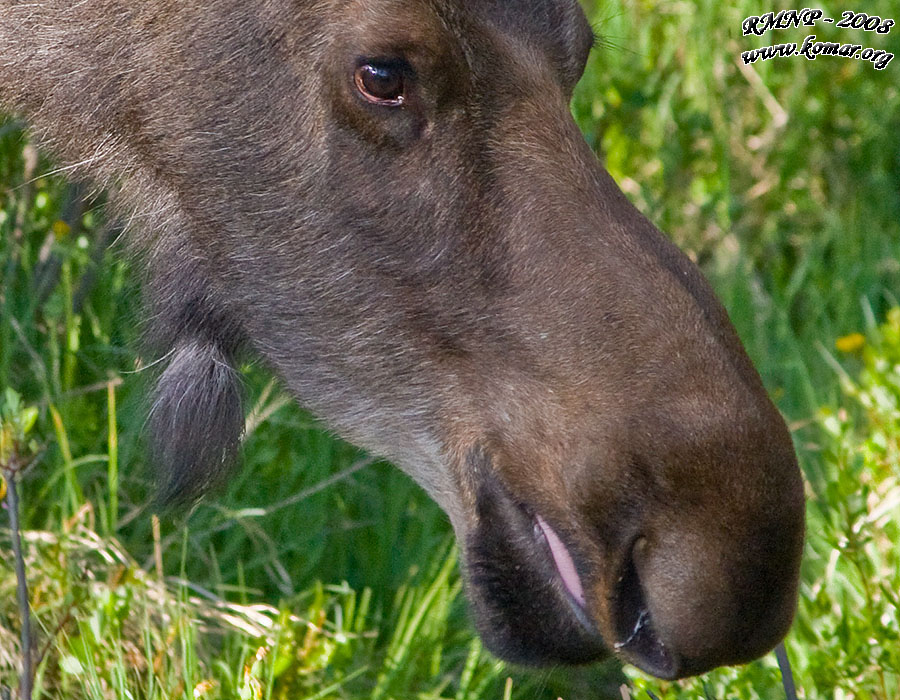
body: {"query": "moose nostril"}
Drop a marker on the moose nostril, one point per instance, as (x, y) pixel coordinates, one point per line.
(636, 636)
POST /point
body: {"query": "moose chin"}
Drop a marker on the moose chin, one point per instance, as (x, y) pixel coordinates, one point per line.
(389, 203)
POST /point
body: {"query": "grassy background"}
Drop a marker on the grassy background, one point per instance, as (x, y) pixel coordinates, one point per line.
(320, 574)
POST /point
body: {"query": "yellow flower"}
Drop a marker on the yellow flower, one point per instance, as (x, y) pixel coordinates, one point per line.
(850, 343)
(60, 229)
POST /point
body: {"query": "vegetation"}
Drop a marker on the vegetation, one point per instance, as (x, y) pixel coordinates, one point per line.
(307, 578)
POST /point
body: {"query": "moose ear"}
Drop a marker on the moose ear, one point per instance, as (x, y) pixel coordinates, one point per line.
(196, 421)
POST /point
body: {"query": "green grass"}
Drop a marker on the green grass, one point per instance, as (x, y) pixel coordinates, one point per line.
(783, 182)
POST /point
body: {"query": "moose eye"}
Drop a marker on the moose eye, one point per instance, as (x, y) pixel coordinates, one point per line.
(382, 83)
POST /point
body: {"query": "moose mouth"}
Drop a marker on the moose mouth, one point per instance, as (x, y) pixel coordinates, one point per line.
(566, 570)
(528, 586)
(638, 642)
(524, 584)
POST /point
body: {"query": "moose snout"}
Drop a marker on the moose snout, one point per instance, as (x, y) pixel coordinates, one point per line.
(684, 603)
(695, 565)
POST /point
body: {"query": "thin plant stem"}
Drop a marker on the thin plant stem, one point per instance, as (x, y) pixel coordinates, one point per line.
(12, 501)
(787, 676)
(113, 464)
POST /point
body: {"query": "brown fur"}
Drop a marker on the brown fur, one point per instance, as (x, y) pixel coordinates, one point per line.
(455, 284)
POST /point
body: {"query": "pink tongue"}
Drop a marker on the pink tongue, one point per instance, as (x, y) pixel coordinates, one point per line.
(564, 563)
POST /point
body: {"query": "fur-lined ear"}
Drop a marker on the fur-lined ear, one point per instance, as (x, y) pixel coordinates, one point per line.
(196, 421)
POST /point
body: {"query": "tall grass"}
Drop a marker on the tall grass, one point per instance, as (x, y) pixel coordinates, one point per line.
(782, 179)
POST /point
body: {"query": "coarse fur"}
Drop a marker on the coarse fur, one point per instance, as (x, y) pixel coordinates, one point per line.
(451, 281)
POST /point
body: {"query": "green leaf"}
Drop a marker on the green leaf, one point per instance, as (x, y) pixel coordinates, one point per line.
(71, 665)
(28, 419)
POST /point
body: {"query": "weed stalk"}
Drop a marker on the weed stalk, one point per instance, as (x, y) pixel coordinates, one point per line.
(12, 502)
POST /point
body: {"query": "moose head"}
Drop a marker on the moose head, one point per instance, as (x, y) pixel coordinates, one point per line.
(389, 202)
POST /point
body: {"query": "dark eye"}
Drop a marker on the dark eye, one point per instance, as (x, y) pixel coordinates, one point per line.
(382, 83)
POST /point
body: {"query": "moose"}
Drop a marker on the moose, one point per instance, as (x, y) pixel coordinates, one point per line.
(388, 202)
